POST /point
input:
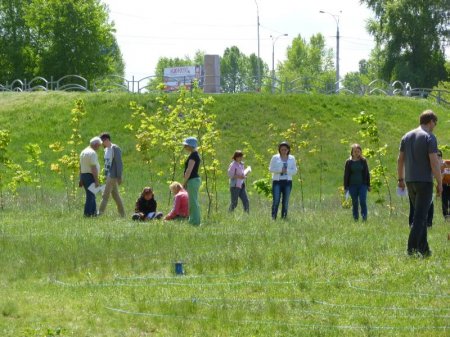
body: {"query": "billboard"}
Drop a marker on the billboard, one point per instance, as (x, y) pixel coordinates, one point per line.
(182, 76)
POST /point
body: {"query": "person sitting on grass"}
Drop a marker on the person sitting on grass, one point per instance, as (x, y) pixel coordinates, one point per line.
(180, 208)
(146, 206)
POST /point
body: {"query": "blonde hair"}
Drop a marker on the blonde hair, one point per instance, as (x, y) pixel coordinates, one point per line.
(176, 186)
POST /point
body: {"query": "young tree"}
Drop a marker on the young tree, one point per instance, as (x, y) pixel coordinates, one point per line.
(68, 165)
(377, 151)
(410, 34)
(11, 174)
(169, 124)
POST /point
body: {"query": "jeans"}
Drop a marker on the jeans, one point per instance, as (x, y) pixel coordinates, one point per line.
(241, 193)
(193, 185)
(358, 193)
(90, 207)
(430, 214)
(445, 199)
(420, 194)
(111, 188)
(280, 188)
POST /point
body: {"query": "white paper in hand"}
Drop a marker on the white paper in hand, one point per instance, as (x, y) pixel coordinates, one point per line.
(97, 189)
(247, 170)
(402, 192)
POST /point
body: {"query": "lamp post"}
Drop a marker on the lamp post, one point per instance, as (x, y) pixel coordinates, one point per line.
(257, 61)
(274, 39)
(336, 19)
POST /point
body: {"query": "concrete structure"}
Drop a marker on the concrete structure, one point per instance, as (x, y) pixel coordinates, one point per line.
(211, 83)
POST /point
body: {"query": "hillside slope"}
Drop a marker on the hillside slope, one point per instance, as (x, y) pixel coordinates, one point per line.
(43, 118)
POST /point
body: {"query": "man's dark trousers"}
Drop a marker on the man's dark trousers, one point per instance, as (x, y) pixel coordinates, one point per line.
(420, 194)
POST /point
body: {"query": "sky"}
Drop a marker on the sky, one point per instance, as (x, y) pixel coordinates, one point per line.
(147, 30)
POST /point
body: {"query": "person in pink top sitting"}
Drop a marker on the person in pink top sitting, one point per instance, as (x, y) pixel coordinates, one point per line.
(180, 208)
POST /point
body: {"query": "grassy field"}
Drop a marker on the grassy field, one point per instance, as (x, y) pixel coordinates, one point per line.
(318, 273)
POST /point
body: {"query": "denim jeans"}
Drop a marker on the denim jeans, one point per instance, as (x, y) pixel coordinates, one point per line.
(280, 189)
(445, 200)
(241, 193)
(420, 194)
(358, 194)
(90, 207)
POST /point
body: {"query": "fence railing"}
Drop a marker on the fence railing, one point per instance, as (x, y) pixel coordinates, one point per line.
(228, 85)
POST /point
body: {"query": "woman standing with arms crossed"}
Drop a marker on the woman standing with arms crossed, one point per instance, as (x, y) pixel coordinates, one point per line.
(283, 167)
(357, 181)
(192, 179)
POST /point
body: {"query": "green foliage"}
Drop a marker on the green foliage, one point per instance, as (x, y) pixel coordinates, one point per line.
(166, 127)
(68, 165)
(378, 151)
(410, 35)
(54, 38)
(34, 153)
(11, 173)
(263, 186)
(16, 59)
(309, 64)
(240, 72)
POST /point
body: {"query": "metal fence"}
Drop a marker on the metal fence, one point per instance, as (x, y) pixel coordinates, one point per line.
(267, 84)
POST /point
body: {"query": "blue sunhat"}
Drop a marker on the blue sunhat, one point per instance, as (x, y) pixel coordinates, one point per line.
(190, 141)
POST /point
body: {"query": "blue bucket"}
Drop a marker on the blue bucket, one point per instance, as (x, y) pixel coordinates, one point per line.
(179, 268)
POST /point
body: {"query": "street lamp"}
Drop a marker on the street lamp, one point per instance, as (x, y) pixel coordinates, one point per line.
(257, 61)
(274, 39)
(336, 19)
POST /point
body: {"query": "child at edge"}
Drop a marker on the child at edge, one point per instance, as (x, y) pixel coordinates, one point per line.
(146, 206)
(180, 208)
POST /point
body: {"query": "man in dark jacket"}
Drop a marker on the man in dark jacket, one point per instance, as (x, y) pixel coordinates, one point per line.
(113, 173)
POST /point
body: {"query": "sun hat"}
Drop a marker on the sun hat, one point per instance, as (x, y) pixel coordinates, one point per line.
(190, 141)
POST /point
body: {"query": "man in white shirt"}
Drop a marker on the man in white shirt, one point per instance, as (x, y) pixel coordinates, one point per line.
(113, 173)
(89, 169)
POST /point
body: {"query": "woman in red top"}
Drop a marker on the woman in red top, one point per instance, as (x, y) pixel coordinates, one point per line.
(180, 208)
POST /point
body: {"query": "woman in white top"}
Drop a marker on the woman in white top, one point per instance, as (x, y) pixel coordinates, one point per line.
(283, 167)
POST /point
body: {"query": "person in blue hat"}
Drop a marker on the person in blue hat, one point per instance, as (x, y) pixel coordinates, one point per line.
(192, 179)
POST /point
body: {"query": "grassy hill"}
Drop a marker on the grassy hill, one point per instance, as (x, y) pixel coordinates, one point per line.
(318, 273)
(43, 118)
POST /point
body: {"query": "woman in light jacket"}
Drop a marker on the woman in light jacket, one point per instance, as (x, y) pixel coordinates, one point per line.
(237, 182)
(283, 167)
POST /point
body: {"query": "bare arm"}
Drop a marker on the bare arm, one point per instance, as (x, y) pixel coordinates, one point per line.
(188, 172)
(436, 169)
(94, 172)
(401, 170)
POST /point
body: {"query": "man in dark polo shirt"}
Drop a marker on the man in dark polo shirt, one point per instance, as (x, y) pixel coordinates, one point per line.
(417, 163)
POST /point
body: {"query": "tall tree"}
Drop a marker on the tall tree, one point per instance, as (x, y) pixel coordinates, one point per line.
(239, 72)
(310, 63)
(56, 38)
(15, 58)
(234, 70)
(73, 37)
(410, 35)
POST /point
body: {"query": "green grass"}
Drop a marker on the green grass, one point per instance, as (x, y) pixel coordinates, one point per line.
(317, 274)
